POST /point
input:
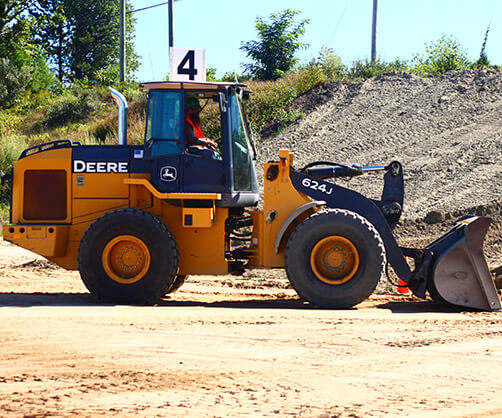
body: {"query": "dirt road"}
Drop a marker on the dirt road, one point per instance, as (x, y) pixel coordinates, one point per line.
(234, 347)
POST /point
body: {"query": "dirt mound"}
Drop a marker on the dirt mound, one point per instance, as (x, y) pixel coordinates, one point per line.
(37, 265)
(446, 131)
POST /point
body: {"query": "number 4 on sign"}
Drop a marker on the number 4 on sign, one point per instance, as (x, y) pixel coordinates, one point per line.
(187, 64)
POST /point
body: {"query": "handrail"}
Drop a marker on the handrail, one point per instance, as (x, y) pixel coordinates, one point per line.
(60, 143)
(183, 196)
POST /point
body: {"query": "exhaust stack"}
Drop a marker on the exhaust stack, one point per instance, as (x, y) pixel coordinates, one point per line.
(122, 104)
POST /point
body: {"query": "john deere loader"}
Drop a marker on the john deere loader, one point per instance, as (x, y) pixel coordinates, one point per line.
(137, 220)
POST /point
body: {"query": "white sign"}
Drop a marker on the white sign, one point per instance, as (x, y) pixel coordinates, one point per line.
(187, 64)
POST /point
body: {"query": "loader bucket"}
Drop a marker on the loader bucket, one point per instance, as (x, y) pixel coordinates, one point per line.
(460, 274)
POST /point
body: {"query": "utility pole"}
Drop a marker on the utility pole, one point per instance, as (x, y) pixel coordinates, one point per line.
(122, 54)
(171, 40)
(374, 31)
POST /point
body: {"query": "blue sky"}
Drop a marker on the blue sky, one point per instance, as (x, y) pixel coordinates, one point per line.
(404, 27)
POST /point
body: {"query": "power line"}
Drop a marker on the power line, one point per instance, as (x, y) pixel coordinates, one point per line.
(150, 7)
(123, 14)
(339, 22)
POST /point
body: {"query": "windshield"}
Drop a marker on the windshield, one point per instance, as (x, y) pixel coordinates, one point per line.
(241, 158)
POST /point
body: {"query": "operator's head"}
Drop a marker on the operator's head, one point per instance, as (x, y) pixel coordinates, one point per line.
(193, 104)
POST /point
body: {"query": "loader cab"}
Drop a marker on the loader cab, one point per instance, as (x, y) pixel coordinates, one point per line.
(177, 166)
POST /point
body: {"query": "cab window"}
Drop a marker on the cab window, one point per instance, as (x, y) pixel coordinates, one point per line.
(164, 127)
(240, 150)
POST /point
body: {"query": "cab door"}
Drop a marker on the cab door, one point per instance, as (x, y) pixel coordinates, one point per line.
(164, 135)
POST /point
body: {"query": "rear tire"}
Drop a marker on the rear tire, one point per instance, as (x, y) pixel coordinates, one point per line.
(128, 256)
(335, 258)
(178, 282)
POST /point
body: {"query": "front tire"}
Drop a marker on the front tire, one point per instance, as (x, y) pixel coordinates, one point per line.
(335, 258)
(128, 256)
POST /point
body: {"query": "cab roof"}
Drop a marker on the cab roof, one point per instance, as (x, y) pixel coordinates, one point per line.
(189, 85)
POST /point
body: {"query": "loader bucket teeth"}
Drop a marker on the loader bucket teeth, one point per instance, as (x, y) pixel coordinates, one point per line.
(460, 274)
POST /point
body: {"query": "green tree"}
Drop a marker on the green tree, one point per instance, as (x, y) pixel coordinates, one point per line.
(95, 38)
(13, 81)
(22, 62)
(54, 35)
(81, 38)
(14, 29)
(273, 54)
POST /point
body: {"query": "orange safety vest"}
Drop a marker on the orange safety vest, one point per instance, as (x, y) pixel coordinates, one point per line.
(196, 128)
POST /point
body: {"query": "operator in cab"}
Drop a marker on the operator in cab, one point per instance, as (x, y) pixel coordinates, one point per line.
(196, 142)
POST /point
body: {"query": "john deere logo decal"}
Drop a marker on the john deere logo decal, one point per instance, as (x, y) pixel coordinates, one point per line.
(80, 166)
(168, 173)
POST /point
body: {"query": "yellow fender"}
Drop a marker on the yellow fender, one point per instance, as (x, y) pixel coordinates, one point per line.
(294, 215)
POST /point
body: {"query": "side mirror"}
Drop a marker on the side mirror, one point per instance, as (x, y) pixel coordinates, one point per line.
(223, 102)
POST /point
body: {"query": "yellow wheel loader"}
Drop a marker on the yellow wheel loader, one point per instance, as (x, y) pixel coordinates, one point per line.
(137, 220)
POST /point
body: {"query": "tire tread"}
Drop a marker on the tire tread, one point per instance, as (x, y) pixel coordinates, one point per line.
(303, 227)
(161, 284)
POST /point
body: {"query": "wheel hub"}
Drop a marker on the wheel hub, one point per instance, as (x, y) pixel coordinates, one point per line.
(334, 260)
(126, 259)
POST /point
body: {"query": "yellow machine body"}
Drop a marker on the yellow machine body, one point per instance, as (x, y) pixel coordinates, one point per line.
(202, 244)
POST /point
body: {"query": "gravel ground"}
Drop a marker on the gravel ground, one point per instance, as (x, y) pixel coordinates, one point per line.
(228, 346)
(445, 131)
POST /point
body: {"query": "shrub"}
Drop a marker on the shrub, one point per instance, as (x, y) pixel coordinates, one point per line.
(74, 106)
(4, 213)
(105, 130)
(11, 148)
(267, 100)
(483, 58)
(364, 69)
(286, 117)
(14, 81)
(330, 64)
(270, 100)
(441, 56)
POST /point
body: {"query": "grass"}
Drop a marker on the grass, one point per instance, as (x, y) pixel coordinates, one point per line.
(4, 214)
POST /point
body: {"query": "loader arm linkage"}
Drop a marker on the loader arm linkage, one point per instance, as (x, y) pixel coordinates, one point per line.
(451, 268)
